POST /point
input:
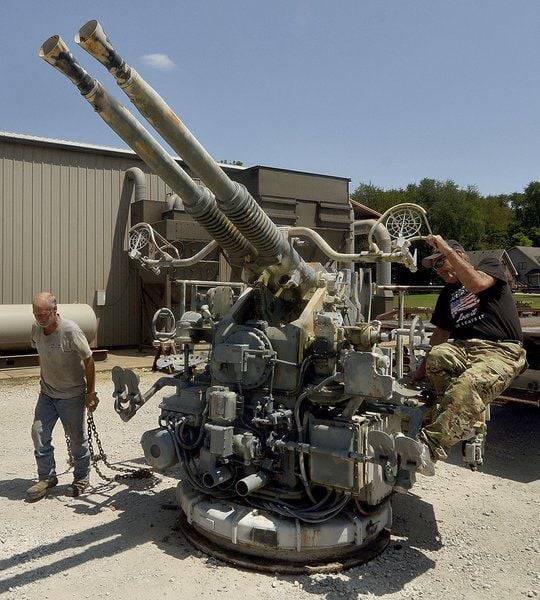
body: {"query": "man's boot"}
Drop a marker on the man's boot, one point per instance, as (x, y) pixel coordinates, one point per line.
(77, 487)
(39, 489)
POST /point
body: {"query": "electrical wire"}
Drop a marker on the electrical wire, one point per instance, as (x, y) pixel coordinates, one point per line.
(308, 515)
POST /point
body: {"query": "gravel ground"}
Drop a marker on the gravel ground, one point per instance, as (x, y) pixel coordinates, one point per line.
(458, 535)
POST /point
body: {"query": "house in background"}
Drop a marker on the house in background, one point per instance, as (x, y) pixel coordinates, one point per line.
(527, 262)
(361, 211)
(502, 256)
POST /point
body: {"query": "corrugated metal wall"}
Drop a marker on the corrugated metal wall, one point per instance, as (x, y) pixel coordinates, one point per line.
(64, 214)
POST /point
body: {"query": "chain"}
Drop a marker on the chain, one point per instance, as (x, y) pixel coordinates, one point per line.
(70, 460)
(124, 472)
(128, 473)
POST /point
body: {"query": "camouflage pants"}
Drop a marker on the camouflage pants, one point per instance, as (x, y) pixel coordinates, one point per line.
(467, 375)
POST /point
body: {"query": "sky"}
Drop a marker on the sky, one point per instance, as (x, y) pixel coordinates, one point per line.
(385, 92)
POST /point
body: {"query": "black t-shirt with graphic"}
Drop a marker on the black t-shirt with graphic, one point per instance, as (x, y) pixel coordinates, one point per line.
(488, 315)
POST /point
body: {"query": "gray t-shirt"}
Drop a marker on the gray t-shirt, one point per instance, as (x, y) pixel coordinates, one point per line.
(61, 356)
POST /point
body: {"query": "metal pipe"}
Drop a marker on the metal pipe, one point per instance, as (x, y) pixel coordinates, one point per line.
(205, 283)
(138, 178)
(399, 340)
(198, 201)
(232, 198)
(176, 262)
(362, 257)
(384, 241)
(220, 475)
(252, 483)
(411, 288)
(182, 299)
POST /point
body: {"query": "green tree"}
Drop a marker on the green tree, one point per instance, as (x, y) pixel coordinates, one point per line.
(527, 211)
(458, 213)
(376, 198)
(498, 219)
(237, 163)
(520, 239)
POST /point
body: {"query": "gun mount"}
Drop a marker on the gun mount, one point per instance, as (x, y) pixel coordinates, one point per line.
(287, 430)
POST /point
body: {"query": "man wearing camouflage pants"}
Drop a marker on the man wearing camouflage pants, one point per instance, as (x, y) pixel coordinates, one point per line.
(476, 347)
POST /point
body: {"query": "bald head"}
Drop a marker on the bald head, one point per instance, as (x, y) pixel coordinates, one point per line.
(44, 307)
(44, 299)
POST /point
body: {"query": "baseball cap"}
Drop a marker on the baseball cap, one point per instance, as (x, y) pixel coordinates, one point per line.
(428, 261)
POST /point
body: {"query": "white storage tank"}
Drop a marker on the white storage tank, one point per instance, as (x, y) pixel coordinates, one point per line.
(16, 323)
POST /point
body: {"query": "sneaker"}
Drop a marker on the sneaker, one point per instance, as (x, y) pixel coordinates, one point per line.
(427, 464)
(77, 487)
(39, 489)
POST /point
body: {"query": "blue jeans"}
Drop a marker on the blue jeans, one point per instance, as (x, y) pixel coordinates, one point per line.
(71, 413)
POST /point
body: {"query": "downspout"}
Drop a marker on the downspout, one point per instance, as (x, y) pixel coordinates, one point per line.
(138, 178)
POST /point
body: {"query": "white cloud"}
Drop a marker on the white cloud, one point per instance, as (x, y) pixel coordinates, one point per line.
(158, 61)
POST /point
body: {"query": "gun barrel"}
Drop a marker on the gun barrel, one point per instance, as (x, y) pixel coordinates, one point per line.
(232, 198)
(94, 40)
(198, 201)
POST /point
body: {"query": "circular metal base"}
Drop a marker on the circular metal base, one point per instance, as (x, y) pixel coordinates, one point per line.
(246, 561)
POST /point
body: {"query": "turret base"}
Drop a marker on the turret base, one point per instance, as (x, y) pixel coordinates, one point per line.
(265, 541)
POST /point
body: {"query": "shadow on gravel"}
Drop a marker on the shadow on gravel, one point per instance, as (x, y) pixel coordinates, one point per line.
(387, 574)
(415, 521)
(401, 563)
(141, 516)
(513, 445)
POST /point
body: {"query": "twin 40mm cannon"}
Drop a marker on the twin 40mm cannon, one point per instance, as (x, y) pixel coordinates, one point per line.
(289, 428)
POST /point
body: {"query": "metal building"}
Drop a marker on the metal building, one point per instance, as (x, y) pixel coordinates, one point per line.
(65, 209)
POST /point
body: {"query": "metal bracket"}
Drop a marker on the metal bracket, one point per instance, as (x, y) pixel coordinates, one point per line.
(473, 451)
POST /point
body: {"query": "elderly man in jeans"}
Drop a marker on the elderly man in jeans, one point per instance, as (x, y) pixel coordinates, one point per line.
(67, 386)
(476, 346)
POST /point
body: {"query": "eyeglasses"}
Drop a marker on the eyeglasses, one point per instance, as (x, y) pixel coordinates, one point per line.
(437, 264)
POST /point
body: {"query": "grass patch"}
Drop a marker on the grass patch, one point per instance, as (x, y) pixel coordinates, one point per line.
(414, 300)
(532, 299)
(429, 300)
